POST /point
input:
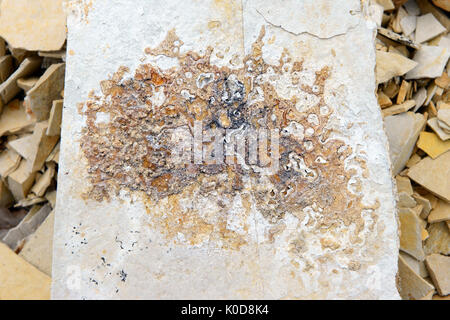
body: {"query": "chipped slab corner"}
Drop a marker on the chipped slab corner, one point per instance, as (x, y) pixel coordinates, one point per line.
(312, 218)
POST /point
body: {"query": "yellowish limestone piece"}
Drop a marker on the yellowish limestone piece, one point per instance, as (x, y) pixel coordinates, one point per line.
(38, 248)
(398, 108)
(439, 267)
(433, 123)
(19, 280)
(411, 233)
(21, 180)
(432, 144)
(33, 24)
(14, 119)
(390, 65)
(434, 175)
(40, 98)
(54, 121)
(439, 239)
(440, 213)
(9, 89)
(411, 284)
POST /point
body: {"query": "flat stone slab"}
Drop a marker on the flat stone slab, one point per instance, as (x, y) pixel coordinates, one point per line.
(223, 150)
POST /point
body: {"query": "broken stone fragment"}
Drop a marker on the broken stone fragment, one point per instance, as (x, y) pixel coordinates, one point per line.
(405, 200)
(26, 84)
(399, 108)
(21, 180)
(434, 124)
(9, 89)
(34, 25)
(425, 203)
(44, 181)
(386, 4)
(9, 161)
(404, 185)
(14, 119)
(19, 279)
(27, 226)
(433, 175)
(402, 131)
(408, 24)
(412, 8)
(40, 98)
(439, 267)
(411, 233)
(440, 213)
(418, 266)
(444, 116)
(419, 97)
(427, 28)
(432, 144)
(383, 100)
(54, 121)
(38, 247)
(439, 239)
(431, 61)
(391, 65)
(411, 284)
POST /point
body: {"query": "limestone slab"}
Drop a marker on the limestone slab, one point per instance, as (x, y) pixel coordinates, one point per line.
(19, 279)
(432, 144)
(33, 24)
(439, 240)
(14, 119)
(391, 64)
(411, 233)
(229, 242)
(428, 27)
(434, 124)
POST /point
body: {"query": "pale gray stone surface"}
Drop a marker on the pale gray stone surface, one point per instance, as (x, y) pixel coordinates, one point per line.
(114, 250)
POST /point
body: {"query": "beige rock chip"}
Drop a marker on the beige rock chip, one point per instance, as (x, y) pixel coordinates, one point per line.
(408, 24)
(38, 248)
(411, 233)
(444, 80)
(439, 240)
(402, 131)
(27, 226)
(44, 181)
(398, 108)
(420, 97)
(14, 119)
(390, 65)
(412, 8)
(20, 280)
(439, 267)
(411, 284)
(51, 197)
(425, 203)
(39, 99)
(404, 89)
(405, 200)
(9, 161)
(427, 28)
(22, 146)
(29, 201)
(6, 67)
(440, 213)
(21, 180)
(54, 155)
(9, 89)
(415, 158)
(6, 198)
(433, 175)
(404, 185)
(433, 123)
(54, 121)
(432, 144)
(383, 100)
(34, 25)
(431, 61)
(418, 266)
(26, 84)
